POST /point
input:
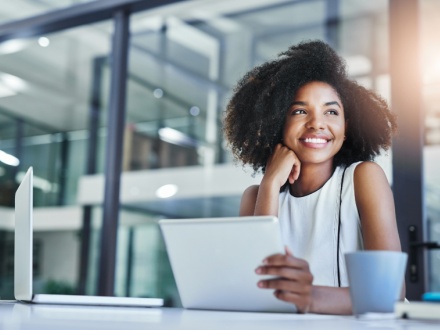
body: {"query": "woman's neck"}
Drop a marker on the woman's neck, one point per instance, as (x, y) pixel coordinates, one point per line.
(312, 177)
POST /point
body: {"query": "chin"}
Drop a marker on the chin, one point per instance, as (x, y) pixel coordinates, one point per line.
(316, 161)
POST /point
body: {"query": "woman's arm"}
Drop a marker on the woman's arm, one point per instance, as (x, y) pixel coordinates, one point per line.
(283, 165)
(260, 200)
(375, 204)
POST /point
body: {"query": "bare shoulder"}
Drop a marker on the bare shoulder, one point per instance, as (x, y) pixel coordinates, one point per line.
(368, 174)
(371, 187)
(368, 168)
(251, 193)
(252, 190)
(375, 203)
(248, 200)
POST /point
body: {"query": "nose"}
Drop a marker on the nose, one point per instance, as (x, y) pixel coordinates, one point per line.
(315, 122)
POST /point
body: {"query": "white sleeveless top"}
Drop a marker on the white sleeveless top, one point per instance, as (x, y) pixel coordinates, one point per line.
(309, 226)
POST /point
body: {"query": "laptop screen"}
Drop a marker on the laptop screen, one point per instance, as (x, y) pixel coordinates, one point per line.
(23, 238)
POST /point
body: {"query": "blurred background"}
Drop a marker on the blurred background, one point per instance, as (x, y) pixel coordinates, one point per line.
(184, 59)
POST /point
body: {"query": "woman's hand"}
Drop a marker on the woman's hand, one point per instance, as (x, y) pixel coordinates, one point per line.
(282, 165)
(294, 279)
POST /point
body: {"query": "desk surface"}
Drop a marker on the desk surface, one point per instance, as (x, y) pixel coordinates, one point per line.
(30, 316)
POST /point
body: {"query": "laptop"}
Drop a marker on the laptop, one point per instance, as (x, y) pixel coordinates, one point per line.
(23, 261)
(214, 260)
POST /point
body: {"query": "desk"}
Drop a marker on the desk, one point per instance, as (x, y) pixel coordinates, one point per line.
(15, 316)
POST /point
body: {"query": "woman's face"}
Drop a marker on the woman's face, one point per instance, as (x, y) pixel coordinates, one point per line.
(315, 123)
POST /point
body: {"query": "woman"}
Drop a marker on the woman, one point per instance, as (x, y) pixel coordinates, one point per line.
(314, 133)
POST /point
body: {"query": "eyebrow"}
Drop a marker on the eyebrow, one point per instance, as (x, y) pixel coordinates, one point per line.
(326, 104)
(333, 103)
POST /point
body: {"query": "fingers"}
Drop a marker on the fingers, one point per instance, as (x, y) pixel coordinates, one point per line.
(289, 291)
(284, 272)
(285, 161)
(288, 272)
(291, 279)
(283, 285)
(296, 167)
(288, 250)
(287, 260)
(296, 170)
(301, 275)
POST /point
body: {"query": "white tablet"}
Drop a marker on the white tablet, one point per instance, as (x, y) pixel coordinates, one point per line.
(214, 262)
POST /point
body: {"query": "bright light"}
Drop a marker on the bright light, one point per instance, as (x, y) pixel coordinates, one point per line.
(11, 85)
(167, 191)
(13, 82)
(194, 111)
(43, 41)
(12, 46)
(174, 136)
(8, 159)
(358, 65)
(158, 93)
(4, 91)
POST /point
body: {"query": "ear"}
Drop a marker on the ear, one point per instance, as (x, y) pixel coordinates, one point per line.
(346, 127)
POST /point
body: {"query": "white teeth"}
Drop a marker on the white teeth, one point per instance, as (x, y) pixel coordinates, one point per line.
(315, 140)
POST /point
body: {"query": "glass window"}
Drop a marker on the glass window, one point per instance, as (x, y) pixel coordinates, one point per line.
(51, 86)
(363, 42)
(45, 101)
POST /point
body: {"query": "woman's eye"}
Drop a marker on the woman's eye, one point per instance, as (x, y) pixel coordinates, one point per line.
(333, 112)
(298, 112)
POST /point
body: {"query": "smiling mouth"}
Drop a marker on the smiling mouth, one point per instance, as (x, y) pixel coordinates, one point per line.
(315, 140)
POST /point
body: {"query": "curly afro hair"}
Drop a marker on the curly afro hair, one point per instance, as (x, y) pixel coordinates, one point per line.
(256, 113)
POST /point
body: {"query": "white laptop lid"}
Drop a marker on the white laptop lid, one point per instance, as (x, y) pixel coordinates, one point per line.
(23, 239)
(23, 261)
(214, 261)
